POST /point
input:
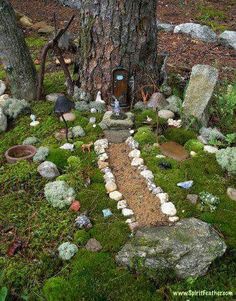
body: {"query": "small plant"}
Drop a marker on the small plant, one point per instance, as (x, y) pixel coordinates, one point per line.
(208, 201)
(59, 194)
(81, 237)
(145, 135)
(230, 139)
(180, 135)
(13, 107)
(67, 250)
(226, 158)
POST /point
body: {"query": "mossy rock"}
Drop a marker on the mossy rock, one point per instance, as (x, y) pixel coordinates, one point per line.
(193, 145)
(179, 135)
(58, 289)
(145, 135)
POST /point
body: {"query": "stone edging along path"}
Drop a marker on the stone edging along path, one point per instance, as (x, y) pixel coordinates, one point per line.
(154, 200)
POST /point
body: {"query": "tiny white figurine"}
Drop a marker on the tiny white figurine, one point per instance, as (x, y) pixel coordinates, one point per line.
(99, 97)
(34, 121)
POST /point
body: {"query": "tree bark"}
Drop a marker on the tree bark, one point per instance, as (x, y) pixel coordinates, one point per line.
(15, 55)
(117, 33)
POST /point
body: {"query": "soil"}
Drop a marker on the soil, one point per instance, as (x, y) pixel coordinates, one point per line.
(145, 205)
(184, 52)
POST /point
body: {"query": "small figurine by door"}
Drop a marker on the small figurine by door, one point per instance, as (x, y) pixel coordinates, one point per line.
(120, 86)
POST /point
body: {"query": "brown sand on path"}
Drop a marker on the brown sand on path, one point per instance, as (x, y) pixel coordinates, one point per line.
(133, 186)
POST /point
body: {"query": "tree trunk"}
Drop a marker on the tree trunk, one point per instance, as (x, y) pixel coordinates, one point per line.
(117, 33)
(15, 55)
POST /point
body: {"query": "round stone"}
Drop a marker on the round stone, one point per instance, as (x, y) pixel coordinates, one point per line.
(111, 186)
(102, 164)
(115, 195)
(231, 192)
(103, 157)
(166, 114)
(48, 170)
(163, 197)
(68, 117)
(135, 153)
(173, 219)
(147, 174)
(210, 149)
(168, 209)
(137, 162)
(121, 204)
(127, 212)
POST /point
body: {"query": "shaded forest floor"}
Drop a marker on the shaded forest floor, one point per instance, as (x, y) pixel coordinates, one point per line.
(184, 52)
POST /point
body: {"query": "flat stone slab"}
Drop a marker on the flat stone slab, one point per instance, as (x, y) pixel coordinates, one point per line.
(188, 248)
(117, 136)
(117, 124)
(174, 150)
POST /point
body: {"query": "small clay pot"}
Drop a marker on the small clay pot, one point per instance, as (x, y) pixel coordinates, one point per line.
(20, 152)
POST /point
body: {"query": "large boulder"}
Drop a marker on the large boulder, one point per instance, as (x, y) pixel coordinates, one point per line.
(228, 38)
(199, 92)
(3, 121)
(157, 101)
(197, 31)
(187, 248)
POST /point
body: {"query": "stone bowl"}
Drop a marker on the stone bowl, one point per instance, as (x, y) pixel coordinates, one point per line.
(20, 152)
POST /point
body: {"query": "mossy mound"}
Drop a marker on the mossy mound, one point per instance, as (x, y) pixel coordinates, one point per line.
(145, 135)
(180, 135)
(193, 145)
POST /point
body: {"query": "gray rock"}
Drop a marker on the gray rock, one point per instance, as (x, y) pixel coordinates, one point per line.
(166, 114)
(3, 99)
(209, 134)
(93, 245)
(77, 131)
(199, 92)
(165, 27)
(197, 31)
(188, 248)
(2, 87)
(3, 121)
(157, 101)
(109, 123)
(30, 141)
(192, 198)
(228, 38)
(140, 105)
(71, 3)
(48, 170)
(174, 103)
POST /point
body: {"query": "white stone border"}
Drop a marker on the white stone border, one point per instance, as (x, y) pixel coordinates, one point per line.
(100, 147)
(167, 207)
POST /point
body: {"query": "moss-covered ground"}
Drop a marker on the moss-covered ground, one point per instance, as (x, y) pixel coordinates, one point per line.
(37, 273)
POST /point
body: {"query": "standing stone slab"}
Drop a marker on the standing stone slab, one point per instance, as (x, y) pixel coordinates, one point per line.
(199, 92)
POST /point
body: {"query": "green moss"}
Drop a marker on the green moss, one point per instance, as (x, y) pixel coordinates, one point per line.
(145, 135)
(58, 288)
(35, 42)
(54, 82)
(59, 157)
(193, 145)
(81, 237)
(2, 74)
(180, 135)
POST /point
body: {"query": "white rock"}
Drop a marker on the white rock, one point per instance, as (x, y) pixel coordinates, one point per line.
(147, 174)
(93, 110)
(137, 162)
(132, 143)
(101, 143)
(157, 190)
(92, 120)
(109, 177)
(168, 209)
(130, 220)
(160, 156)
(175, 123)
(2, 87)
(166, 114)
(67, 146)
(197, 31)
(228, 38)
(103, 157)
(173, 219)
(135, 153)
(110, 186)
(127, 212)
(142, 167)
(115, 195)
(121, 204)
(48, 170)
(210, 149)
(3, 99)
(34, 123)
(163, 197)
(193, 154)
